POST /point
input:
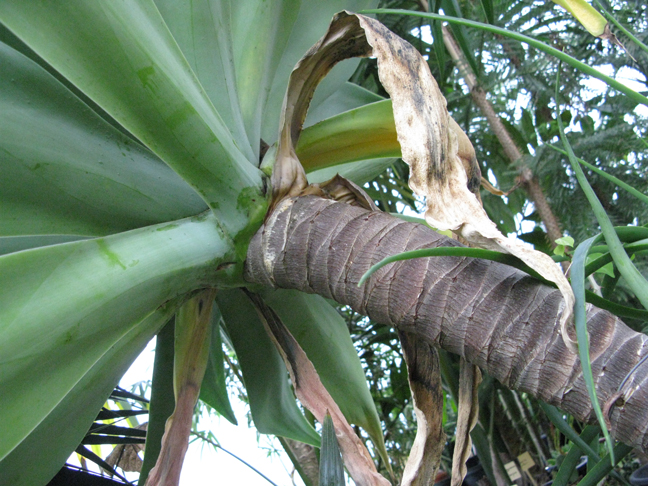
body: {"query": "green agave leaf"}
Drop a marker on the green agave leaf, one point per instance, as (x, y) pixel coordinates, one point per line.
(272, 401)
(9, 38)
(11, 244)
(122, 55)
(67, 171)
(349, 107)
(243, 53)
(203, 32)
(261, 31)
(347, 97)
(360, 172)
(214, 389)
(63, 306)
(35, 460)
(324, 336)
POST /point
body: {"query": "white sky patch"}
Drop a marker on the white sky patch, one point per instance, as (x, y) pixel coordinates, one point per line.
(424, 33)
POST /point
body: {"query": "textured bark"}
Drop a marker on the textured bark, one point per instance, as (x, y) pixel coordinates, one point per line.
(496, 317)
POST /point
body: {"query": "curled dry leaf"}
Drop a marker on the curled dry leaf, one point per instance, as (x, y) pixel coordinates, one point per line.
(424, 375)
(440, 155)
(313, 395)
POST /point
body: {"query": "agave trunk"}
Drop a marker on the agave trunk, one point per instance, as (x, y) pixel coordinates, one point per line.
(496, 317)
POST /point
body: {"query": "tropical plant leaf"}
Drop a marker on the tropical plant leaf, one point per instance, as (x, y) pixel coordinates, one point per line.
(639, 195)
(12, 244)
(256, 46)
(578, 284)
(362, 133)
(314, 396)
(348, 96)
(213, 390)
(64, 306)
(68, 172)
(459, 251)
(126, 60)
(71, 415)
(203, 31)
(561, 424)
(162, 397)
(260, 32)
(573, 457)
(360, 172)
(272, 401)
(605, 465)
(628, 270)
(313, 321)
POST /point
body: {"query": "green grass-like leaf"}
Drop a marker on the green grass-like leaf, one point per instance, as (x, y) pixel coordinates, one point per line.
(580, 322)
(573, 457)
(456, 251)
(605, 466)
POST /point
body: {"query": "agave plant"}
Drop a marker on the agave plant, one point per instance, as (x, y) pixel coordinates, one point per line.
(137, 186)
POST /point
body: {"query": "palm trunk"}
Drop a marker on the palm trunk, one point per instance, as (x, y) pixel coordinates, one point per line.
(496, 317)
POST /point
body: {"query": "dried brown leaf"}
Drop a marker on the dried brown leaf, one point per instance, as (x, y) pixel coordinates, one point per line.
(467, 415)
(424, 375)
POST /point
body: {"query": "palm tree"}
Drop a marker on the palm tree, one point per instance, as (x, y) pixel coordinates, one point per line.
(133, 191)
